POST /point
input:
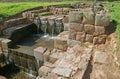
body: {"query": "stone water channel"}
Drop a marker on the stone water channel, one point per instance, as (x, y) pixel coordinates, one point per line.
(41, 45)
(21, 40)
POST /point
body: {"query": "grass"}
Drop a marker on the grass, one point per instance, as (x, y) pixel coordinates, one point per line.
(115, 15)
(9, 9)
(45, 13)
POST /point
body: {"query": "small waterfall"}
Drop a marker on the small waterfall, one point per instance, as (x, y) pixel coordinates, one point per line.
(37, 21)
(52, 25)
(59, 25)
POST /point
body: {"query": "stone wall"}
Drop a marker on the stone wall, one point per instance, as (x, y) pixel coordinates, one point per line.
(59, 11)
(87, 26)
(26, 62)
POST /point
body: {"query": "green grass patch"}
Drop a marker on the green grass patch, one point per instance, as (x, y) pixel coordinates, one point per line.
(45, 13)
(66, 9)
(9, 9)
(115, 15)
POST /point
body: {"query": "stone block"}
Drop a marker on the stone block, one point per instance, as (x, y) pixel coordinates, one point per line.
(5, 44)
(65, 19)
(89, 29)
(88, 17)
(60, 43)
(80, 36)
(102, 20)
(66, 26)
(46, 55)
(75, 17)
(76, 27)
(72, 35)
(89, 38)
(43, 71)
(52, 76)
(72, 43)
(65, 72)
(99, 39)
(99, 30)
(38, 53)
(100, 57)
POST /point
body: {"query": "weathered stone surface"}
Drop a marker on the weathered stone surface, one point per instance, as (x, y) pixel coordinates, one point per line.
(99, 30)
(72, 43)
(89, 29)
(56, 55)
(80, 36)
(52, 76)
(2, 77)
(66, 26)
(44, 71)
(46, 55)
(5, 44)
(62, 71)
(65, 19)
(72, 35)
(100, 57)
(89, 38)
(60, 43)
(75, 17)
(100, 39)
(99, 74)
(88, 18)
(14, 22)
(102, 20)
(38, 53)
(76, 27)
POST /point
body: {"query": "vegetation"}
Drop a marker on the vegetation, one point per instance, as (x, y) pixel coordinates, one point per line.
(114, 13)
(9, 9)
(45, 13)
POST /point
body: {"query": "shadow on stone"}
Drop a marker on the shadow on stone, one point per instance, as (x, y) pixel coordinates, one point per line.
(112, 27)
(88, 70)
(9, 70)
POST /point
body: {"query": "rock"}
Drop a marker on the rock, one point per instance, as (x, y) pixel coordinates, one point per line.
(2, 77)
(80, 36)
(66, 26)
(76, 27)
(55, 56)
(72, 35)
(98, 74)
(89, 38)
(5, 44)
(72, 43)
(100, 39)
(99, 30)
(88, 18)
(52, 76)
(83, 64)
(100, 57)
(62, 71)
(48, 64)
(60, 43)
(102, 20)
(75, 17)
(43, 71)
(46, 55)
(65, 19)
(38, 53)
(89, 29)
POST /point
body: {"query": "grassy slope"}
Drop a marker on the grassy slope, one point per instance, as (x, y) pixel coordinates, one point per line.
(8, 9)
(115, 15)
